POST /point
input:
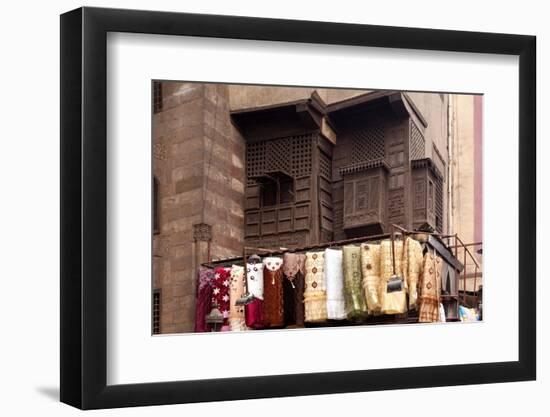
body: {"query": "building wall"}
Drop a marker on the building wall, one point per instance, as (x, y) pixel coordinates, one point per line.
(433, 107)
(466, 172)
(198, 161)
(247, 96)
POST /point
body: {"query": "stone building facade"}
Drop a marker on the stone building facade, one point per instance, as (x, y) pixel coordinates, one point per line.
(466, 177)
(283, 167)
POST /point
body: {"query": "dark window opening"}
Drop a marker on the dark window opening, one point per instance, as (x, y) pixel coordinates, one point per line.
(286, 191)
(277, 191)
(156, 210)
(269, 193)
(156, 312)
(157, 96)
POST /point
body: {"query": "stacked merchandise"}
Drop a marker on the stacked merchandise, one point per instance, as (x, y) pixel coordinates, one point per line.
(348, 284)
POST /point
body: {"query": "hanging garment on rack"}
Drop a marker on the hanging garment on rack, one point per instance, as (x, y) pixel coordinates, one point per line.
(293, 288)
(391, 302)
(203, 305)
(220, 293)
(356, 307)
(315, 292)
(370, 265)
(255, 284)
(273, 313)
(336, 305)
(442, 313)
(412, 268)
(236, 290)
(430, 289)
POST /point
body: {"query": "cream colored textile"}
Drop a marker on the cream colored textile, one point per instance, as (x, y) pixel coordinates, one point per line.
(412, 268)
(255, 279)
(430, 289)
(336, 307)
(315, 294)
(393, 302)
(370, 265)
(236, 291)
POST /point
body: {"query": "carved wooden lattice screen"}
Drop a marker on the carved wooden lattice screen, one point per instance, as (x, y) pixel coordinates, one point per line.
(281, 223)
(368, 143)
(417, 146)
(439, 205)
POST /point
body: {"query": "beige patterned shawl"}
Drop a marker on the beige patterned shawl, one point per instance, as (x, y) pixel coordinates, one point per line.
(393, 302)
(370, 264)
(315, 294)
(430, 289)
(236, 291)
(412, 268)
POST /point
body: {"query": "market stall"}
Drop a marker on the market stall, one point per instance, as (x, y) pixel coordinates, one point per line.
(397, 278)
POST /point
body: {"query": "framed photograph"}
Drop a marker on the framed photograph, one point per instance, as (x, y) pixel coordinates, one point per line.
(257, 208)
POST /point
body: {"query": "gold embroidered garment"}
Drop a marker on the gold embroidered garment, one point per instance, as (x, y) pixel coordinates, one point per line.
(392, 302)
(356, 307)
(315, 294)
(370, 265)
(430, 289)
(412, 268)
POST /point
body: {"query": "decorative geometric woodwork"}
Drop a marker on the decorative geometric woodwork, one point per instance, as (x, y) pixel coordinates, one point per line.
(368, 143)
(418, 144)
(427, 192)
(372, 172)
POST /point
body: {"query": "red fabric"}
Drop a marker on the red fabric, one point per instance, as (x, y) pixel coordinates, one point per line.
(220, 291)
(204, 298)
(253, 314)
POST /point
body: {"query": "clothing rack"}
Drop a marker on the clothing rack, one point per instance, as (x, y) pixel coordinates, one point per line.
(439, 242)
(280, 251)
(239, 260)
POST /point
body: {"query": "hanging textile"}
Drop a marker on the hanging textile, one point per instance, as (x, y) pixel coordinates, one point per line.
(315, 294)
(442, 313)
(203, 304)
(391, 302)
(255, 284)
(236, 291)
(370, 265)
(293, 288)
(428, 311)
(412, 268)
(336, 306)
(220, 293)
(356, 307)
(273, 315)
(467, 314)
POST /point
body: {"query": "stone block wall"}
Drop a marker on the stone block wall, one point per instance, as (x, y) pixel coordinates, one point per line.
(198, 161)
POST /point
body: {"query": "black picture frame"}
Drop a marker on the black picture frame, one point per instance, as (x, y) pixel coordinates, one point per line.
(84, 207)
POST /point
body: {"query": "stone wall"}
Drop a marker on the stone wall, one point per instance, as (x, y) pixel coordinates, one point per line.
(198, 161)
(467, 174)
